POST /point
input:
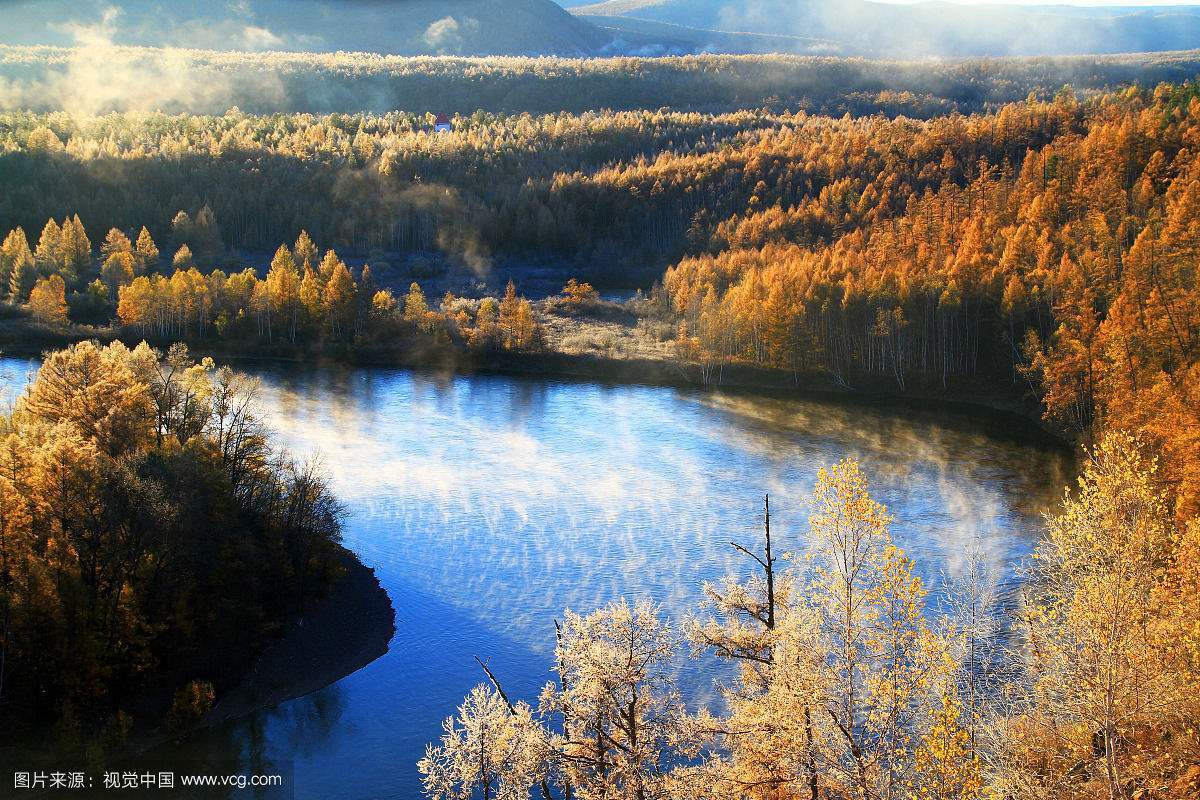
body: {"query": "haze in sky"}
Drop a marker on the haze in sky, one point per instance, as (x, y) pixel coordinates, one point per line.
(1110, 3)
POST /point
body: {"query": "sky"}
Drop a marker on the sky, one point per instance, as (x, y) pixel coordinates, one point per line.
(1085, 3)
(1119, 3)
(1094, 3)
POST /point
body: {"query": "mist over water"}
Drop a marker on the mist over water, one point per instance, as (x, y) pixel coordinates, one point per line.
(489, 504)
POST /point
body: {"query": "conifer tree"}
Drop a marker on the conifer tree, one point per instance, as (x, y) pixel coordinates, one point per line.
(310, 295)
(283, 291)
(339, 300)
(415, 306)
(115, 241)
(48, 253)
(183, 258)
(146, 253)
(305, 251)
(20, 283)
(490, 748)
(78, 260)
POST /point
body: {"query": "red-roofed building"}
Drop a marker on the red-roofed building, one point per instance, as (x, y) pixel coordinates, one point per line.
(442, 124)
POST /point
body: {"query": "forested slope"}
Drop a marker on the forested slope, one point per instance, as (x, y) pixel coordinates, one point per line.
(152, 540)
(96, 80)
(1021, 246)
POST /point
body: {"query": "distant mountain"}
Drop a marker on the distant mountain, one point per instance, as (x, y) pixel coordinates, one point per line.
(643, 27)
(645, 37)
(923, 29)
(406, 27)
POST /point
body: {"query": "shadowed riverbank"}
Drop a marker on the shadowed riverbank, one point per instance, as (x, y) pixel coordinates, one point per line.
(340, 634)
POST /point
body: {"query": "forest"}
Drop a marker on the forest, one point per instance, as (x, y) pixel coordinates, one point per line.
(151, 539)
(1043, 249)
(609, 191)
(1048, 247)
(306, 301)
(1065, 266)
(90, 81)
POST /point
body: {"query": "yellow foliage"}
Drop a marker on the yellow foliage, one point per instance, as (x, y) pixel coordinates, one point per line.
(48, 301)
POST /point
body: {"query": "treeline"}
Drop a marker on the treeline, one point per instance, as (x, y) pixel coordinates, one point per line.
(198, 81)
(151, 539)
(846, 687)
(306, 299)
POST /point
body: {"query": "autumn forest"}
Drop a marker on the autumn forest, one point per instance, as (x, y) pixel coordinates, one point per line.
(1029, 246)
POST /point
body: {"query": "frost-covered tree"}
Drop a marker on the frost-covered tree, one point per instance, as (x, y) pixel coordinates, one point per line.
(489, 749)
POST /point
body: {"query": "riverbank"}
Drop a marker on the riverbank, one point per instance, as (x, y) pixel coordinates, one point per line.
(340, 634)
(750, 379)
(1009, 405)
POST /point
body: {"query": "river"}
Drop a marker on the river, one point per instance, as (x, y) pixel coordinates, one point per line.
(488, 504)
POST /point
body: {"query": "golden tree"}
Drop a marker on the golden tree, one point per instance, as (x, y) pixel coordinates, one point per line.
(48, 301)
(842, 683)
(339, 298)
(1110, 691)
(310, 295)
(146, 252)
(415, 305)
(283, 292)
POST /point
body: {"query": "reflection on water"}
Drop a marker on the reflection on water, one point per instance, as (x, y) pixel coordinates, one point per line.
(488, 504)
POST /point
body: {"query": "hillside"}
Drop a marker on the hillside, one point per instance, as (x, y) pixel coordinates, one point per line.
(87, 81)
(924, 29)
(402, 27)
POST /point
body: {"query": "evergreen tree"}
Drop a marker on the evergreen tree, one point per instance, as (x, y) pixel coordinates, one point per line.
(20, 283)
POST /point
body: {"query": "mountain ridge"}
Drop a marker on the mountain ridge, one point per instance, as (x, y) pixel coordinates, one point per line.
(925, 29)
(397, 27)
(615, 27)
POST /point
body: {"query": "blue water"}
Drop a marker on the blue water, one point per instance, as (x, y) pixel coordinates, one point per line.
(489, 504)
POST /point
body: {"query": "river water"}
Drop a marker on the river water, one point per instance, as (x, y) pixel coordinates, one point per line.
(488, 504)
